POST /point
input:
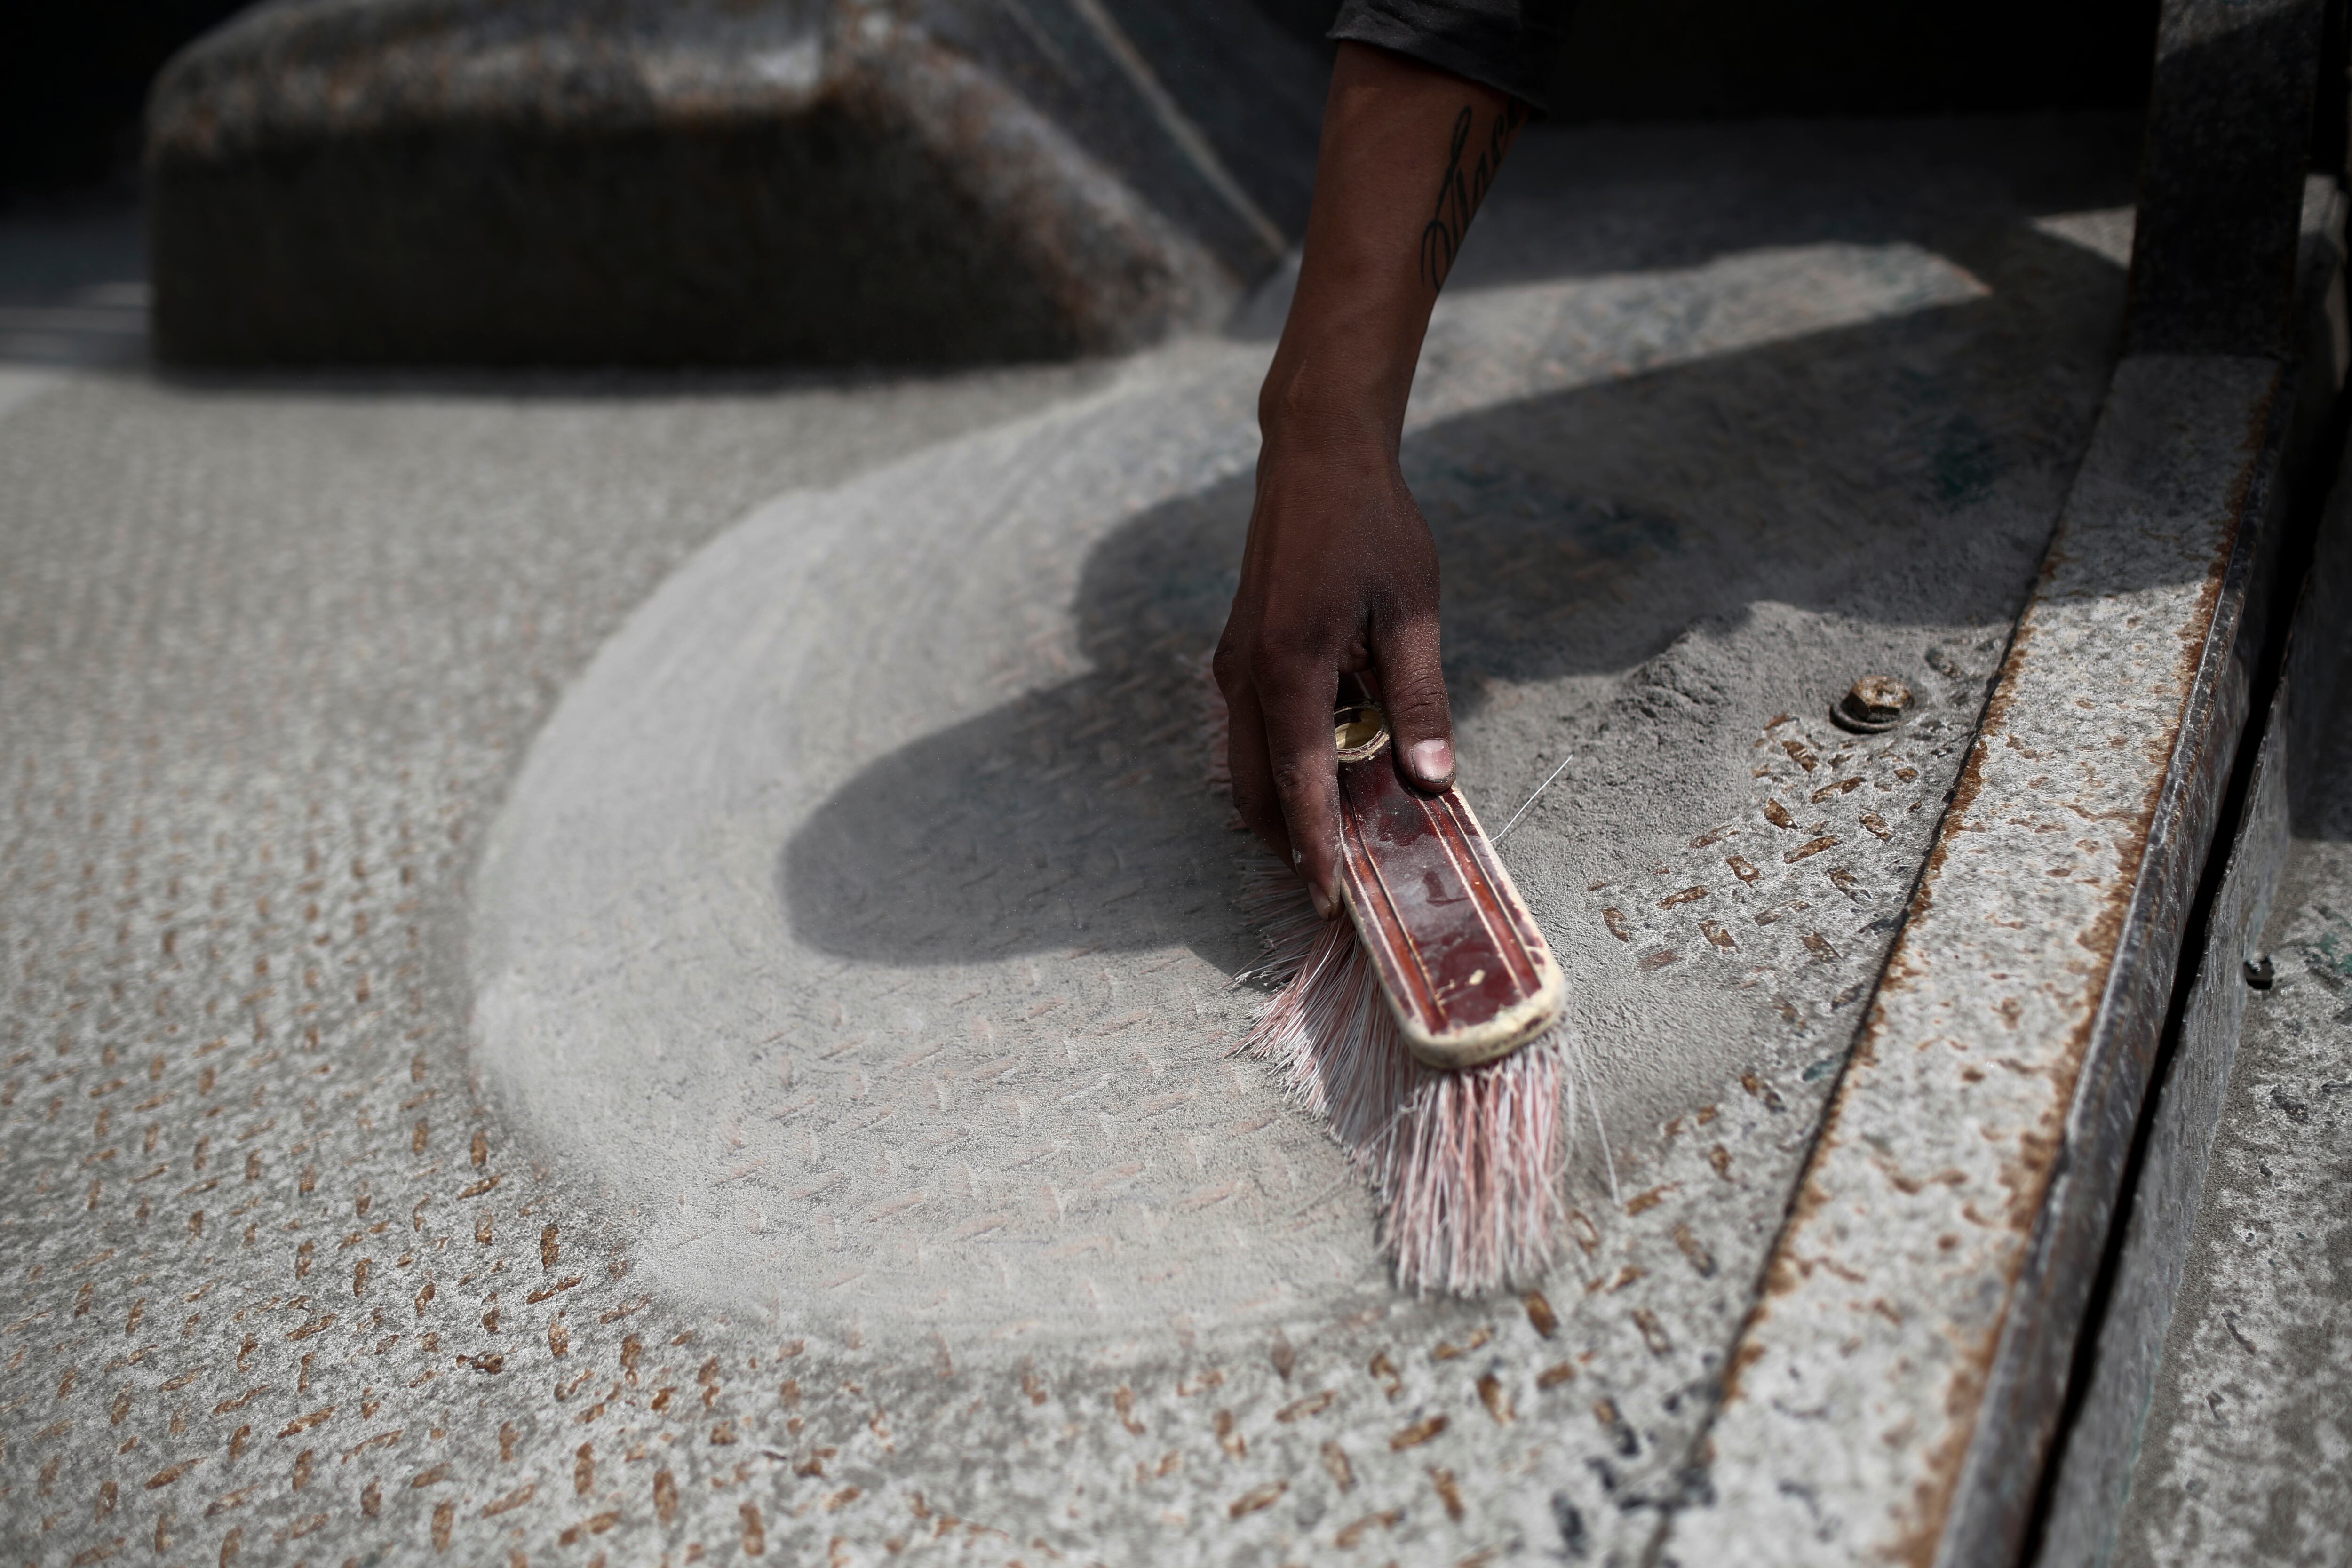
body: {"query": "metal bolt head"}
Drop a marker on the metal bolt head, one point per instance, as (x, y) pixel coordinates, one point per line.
(2259, 973)
(1875, 704)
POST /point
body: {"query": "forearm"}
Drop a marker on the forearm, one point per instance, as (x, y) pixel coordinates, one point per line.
(1408, 153)
(1339, 573)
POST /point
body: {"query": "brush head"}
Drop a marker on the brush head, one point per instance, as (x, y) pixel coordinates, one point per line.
(1462, 1134)
(1465, 1163)
(1458, 957)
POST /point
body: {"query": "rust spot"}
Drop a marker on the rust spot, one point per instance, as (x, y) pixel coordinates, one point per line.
(1652, 963)
(1931, 1495)
(1605, 1412)
(1615, 920)
(1497, 1401)
(1297, 1409)
(1747, 1355)
(1540, 1313)
(512, 1501)
(1335, 1461)
(1778, 815)
(1742, 868)
(1696, 1250)
(1643, 1201)
(1414, 1436)
(1688, 895)
(1255, 1499)
(1714, 933)
(1809, 848)
(304, 1423)
(1446, 1350)
(1348, 1536)
(1555, 1374)
(1447, 1492)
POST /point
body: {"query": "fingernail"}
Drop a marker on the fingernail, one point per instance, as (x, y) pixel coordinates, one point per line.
(1433, 759)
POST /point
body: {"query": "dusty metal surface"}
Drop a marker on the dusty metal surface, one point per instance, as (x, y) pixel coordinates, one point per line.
(883, 980)
(338, 618)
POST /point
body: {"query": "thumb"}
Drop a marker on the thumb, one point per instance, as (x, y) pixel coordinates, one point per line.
(1413, 690)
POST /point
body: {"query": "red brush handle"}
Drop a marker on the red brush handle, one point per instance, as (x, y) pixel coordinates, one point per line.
(1458, 955)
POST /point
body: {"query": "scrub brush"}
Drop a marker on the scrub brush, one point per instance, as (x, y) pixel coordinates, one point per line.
(1428, 1028)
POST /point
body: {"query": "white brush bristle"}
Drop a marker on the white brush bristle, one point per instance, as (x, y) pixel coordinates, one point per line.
(1466, 1165)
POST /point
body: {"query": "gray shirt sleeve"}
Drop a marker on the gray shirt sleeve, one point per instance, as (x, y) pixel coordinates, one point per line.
(1508, 44)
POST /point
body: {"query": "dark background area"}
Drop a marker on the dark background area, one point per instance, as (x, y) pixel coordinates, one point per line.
(1720, 59)
(73, 77)
(74, 73)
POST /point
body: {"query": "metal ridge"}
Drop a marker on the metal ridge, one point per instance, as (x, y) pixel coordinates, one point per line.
(1922, 1300)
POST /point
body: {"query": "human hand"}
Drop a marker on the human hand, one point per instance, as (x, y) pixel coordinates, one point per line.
(1340, 576)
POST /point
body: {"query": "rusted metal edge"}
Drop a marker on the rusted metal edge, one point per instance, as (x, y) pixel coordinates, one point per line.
(2151, 984)
(2092, 1481)
(2025, 1390)
(1921, 1302)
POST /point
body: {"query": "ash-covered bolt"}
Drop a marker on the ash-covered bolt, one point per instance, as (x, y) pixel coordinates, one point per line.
(1874, 703)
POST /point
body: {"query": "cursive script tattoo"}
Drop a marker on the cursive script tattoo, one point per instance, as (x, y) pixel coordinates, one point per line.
(1462, 189)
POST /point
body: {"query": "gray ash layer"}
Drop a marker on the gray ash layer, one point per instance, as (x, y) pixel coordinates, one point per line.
(1746, 415)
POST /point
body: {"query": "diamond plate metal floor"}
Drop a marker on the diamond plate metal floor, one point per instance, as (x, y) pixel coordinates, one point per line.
(283, 1282)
